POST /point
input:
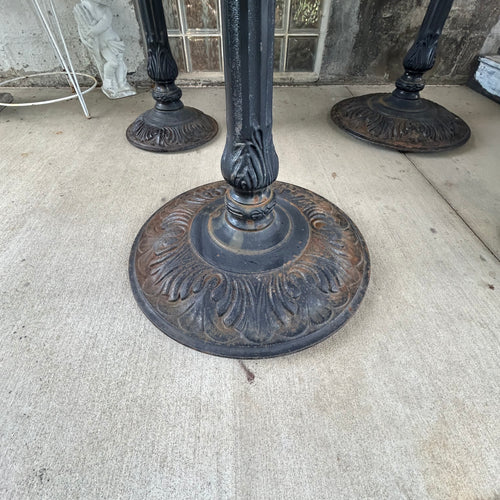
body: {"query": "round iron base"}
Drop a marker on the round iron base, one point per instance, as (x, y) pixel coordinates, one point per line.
(248, 294)
(417, 126)
(172, 131)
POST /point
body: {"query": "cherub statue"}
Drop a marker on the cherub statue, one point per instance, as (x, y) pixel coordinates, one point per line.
(94, 26)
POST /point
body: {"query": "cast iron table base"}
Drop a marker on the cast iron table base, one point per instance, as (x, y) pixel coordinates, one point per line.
(249, 268)
(171, 131)
(249, 304)
(170, 126)
(402, 120)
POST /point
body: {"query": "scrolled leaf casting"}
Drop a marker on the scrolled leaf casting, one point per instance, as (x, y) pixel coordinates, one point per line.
(255, 163)
(221, 306)
(422, 55)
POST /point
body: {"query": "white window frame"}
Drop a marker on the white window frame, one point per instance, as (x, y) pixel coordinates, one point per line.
(280, 77)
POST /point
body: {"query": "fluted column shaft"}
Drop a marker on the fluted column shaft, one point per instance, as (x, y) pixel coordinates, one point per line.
(162, 68)
(249, 162)
(422, 54)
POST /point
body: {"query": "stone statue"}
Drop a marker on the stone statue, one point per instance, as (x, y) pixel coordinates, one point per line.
(94, 26)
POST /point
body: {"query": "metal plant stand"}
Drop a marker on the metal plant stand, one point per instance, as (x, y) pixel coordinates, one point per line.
(170, 126)
(402, 120)
(47, 15)
(249, 268)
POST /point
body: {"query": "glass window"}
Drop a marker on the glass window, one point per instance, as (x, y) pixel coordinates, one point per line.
(205, 53)
(196, 40)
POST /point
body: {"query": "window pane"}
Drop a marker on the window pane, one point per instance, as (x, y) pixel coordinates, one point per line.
(301, 52)
(280, 14)
(205, 53)
(171, 15)
(195, 34)
(278, 48)
(305, 14)
(201, 14)
(178, 52)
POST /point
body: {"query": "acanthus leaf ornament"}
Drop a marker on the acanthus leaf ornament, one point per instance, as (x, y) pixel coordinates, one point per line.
(219, 307)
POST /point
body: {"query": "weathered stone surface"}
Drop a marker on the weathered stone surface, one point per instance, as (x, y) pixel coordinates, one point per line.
(25, 47)
(367, 39)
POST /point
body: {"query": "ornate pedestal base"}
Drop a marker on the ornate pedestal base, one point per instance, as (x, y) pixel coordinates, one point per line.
(402, 120)
(171, 131)
(415, 125)
(170, 126)
(249, 294)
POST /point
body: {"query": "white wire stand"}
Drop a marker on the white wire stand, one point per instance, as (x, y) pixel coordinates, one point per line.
(50, 101)
(48, 17)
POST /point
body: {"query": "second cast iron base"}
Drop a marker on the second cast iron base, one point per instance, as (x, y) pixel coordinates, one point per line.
(249, 294)
(406, 125)
(171, 131)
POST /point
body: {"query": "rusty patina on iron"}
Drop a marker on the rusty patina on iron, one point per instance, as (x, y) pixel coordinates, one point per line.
(215, 309)
(420, 126)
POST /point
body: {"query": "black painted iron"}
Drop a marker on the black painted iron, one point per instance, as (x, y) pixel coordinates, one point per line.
(250, 267)
(170, 126)
(403, 120)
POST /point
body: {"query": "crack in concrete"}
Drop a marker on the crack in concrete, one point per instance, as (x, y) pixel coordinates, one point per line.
(452, 207)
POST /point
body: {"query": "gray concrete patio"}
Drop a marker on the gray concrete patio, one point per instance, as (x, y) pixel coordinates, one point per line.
(401, 403)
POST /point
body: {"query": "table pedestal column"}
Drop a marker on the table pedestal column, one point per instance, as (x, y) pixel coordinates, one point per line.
(170, 126)
(402, 120)
(249, 267)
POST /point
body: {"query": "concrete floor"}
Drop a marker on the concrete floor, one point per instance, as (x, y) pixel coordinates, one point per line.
(403, 402)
